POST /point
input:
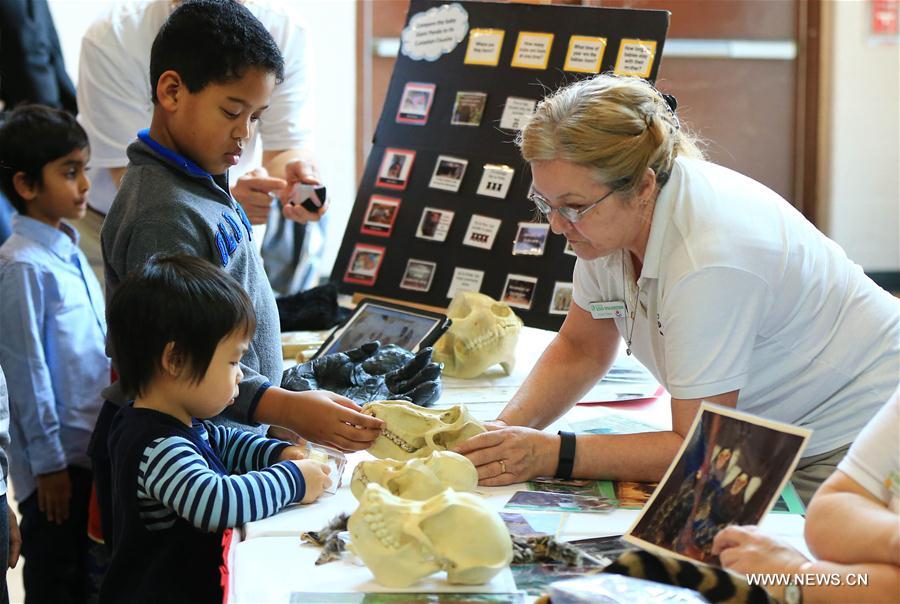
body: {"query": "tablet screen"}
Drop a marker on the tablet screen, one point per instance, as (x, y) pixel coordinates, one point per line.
(387, 325)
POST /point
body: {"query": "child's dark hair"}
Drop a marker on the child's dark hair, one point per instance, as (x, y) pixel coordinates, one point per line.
(32, 136)
(209, 41)
(180, 299)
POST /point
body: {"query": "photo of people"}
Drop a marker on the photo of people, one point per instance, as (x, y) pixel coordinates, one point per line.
(364, 264)
(395, 168)
(380, 216)
(418, 275)
(435, 224)
(415, 103)
(468, 108)
(561, 299)
(531, 239)
(633, 495)
(448, 173)
(519, 291)
(731, 468)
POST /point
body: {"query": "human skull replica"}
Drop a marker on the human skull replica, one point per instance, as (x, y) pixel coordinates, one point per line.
(484, 332)
(402, 541)
(416, 478)
(411, 431)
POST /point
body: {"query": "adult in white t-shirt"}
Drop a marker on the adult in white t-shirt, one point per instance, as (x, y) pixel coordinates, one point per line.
(852, 527)
(114, 102)
(717, 285)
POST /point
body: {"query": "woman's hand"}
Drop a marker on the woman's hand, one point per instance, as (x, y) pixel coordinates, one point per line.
(746, 550)
(508, 454)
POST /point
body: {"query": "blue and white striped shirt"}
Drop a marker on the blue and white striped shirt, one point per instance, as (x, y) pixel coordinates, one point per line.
(174, 480)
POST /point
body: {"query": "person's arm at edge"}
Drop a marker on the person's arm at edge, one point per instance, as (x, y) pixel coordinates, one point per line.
(872, 537)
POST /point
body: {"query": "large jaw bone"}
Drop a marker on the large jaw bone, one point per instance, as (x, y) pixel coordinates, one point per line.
(484, 333)
(417, 478)
(402, 541)
(411, 431)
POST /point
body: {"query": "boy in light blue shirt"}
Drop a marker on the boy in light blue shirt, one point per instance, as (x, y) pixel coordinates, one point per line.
(52, 338)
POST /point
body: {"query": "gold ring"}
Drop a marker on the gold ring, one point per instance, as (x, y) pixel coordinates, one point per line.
(502, 467)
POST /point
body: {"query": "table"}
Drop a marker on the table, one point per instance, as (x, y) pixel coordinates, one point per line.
(267, 562)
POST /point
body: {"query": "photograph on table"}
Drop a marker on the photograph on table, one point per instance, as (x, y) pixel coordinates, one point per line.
(434, 224)
(561, 299)
(574, 486)
(364, 264)
(730, 470)
(380, 216)
(516, 112)
(468, 109)
(415, 104)
(418, 275)
(448, 173)
(482, 231)
(559, 502)
(465, 280)
(531, 239)
(395, 168)
(532, 525)
(519, 290)
(389, 323)
(495, 181)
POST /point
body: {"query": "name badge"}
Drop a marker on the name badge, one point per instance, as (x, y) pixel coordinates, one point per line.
(608, 310)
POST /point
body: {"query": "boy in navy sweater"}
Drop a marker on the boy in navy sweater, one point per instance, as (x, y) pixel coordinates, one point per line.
(178, 329)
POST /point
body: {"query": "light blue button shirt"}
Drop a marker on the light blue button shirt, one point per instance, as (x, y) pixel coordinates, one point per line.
(52, 340)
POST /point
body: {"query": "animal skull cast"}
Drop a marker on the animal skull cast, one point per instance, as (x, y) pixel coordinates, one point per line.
(484, 332)
(411, 431)
(416, 479)
(402, 541)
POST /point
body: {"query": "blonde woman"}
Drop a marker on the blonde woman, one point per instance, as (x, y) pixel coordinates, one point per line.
(726, 292)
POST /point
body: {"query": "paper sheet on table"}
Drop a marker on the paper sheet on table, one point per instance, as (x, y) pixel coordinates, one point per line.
(269, 570)
(626, 380)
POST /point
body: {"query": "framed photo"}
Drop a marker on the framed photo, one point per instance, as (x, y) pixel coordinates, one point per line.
(418, 275)
(380, 216)
(389, 323)
(495, 181)
(465, 280)
(519, 291)
(395, 168)
(482, 231)
(434, 224)
(415, 104)
(468, 109)
(364, 264)
(531, 239)
(561, 299)
(448, 173)
(731, 468)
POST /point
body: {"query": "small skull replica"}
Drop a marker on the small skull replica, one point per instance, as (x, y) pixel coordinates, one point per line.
(410, 431)
(416, 478)
(484, 332)
(402, 541)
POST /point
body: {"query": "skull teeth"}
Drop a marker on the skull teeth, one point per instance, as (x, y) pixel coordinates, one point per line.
(398, 441)
(486, 338)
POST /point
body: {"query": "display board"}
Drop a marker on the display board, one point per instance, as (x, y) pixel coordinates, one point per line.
(442, 205)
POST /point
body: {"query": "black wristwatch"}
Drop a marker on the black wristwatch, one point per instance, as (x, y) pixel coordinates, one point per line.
(566, 455)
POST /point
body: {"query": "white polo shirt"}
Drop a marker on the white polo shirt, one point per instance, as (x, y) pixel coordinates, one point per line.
(874, 459)
(739, 291)
(114, 87)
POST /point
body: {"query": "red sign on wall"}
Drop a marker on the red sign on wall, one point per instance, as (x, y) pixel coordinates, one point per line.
(885, 17)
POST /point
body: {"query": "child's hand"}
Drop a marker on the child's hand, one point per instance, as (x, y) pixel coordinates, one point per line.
(54, 492)
(315, 473)
(292, 453)
(331, 419)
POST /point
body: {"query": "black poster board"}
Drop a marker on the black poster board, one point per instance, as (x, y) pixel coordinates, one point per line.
(381, 236)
